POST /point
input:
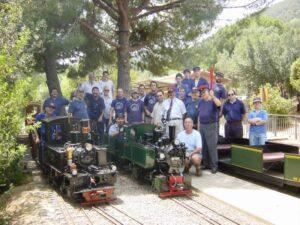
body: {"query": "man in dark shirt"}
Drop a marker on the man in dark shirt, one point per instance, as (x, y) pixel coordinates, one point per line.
(187, 80)
(58, 101)
(118, 105)
(150, 101)
(95, 107)
(219, 89)
(179, 85)
(192, 106)
(234, 113)
(208, 118)
(199, 81)
(134, 109)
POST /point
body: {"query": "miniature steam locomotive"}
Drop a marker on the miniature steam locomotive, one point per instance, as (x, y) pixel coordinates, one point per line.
(74, 164)
(151, 156)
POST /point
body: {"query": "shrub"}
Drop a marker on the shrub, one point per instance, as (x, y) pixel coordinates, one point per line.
(295, 75)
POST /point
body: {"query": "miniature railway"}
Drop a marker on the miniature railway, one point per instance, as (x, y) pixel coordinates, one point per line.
(202, 215)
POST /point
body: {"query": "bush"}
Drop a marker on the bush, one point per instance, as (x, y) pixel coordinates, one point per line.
(295, 75)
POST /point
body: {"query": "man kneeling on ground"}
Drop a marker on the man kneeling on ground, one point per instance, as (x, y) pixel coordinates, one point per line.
(193, 142)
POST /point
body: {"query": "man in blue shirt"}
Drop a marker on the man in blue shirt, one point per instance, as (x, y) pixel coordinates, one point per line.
(150, 101)
(95, 107)
(208, 118)
(78, 107)
(179, 85)
(199, 82)
(118, 105)
(257, 119)
(234, 113)
(134, 109)
(183, 97)
(187, 80)
(219, 89)
(192, 106)
(58, 101)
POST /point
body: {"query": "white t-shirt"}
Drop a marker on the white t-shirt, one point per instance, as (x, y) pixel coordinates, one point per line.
(192, 140)
(108, 84)
(178, 108)
(88, 86)
(157, 113)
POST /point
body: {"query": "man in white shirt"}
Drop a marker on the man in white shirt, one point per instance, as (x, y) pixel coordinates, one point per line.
(174, 110)
(88, 85)
(193, 143)
(107, 102)
(105, 82)
(158, 109)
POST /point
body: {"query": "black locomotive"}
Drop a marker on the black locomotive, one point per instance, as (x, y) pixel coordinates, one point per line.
(73, 163)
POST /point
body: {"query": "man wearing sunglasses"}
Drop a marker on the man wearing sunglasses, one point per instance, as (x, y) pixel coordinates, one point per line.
(234, 113)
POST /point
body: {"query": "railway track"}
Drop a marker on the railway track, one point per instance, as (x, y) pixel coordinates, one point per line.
(199, 212)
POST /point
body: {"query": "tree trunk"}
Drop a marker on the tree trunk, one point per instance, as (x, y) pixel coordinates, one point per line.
(51, 73)
(123, 53)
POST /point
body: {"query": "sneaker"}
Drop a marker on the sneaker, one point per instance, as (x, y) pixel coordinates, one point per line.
(214, 170)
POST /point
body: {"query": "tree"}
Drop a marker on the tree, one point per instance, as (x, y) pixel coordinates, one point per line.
(155, 32)
(295, 75)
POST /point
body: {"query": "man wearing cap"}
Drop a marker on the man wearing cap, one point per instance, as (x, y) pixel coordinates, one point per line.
(234, 113)
(150, 101)
(142, 93)
(187, 80)
(158, 109)
(116, 128)
(208, 118)
(199, 81)
(134, 109)
(257, 119)
(118, 105)
(174, 111)
(192, 106)
(179, 85)
(193, 143)
(78, 107)
(219, 88)
(88, 85)
(95, 107)
(107, 102)
(105, 82)
(58, 101)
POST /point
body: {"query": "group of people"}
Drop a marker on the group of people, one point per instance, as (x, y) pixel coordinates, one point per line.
(192, 107)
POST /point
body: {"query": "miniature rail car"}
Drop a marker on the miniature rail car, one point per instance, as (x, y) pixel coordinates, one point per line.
(273, 163)
(72, 163)
(151, 156)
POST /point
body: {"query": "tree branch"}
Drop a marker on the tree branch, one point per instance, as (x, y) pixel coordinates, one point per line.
(94, 32)
(249, 5)
(137, 46)
(108, 8)
(122, 10)
(155, 9)
(141, 7)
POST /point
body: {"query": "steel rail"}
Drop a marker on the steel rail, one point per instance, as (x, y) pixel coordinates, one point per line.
(107, 216)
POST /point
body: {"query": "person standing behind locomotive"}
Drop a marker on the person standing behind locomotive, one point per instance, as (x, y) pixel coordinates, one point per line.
(158, 109)
(208, 118)
(183, 97)
(78, 107)
(192, 106)
(199, 81)
(257, 119)
(107, 102)
(219, 88)
(193, 142)
(187, 80)
(179, 85)
(234, 113)
(142, 93)
(106, 82)
(95, 107)
(134, 109)
(116, 128)
(87, 86)
(58, 101)
(118, 105)
(150, 101)
(174, 111)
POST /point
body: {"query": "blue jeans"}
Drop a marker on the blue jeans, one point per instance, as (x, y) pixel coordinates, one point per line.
(257, 139)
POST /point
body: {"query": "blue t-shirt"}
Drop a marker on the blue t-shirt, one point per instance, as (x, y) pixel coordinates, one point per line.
(134, 109)
(182, 85)
(202, 83)
(258, 129)
(150, 101)
(42, 129)
(208, 111)
(95, 106)
(189, 83)
(192, 108)
(233, 112)
(220, 91)
(119, 105)
(78, 108)
(59, 102)
(186, 100)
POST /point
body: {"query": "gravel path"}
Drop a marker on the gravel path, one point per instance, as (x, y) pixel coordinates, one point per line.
(38, 203)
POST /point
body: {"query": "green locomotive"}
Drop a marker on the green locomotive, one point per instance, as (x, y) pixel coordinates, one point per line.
(151, 156)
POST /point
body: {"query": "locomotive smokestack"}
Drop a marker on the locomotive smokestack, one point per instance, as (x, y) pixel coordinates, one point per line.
(172, 133)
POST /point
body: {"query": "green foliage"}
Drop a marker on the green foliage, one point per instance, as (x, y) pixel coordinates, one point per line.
(13, 63)
(295, 75)
(285, 10)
